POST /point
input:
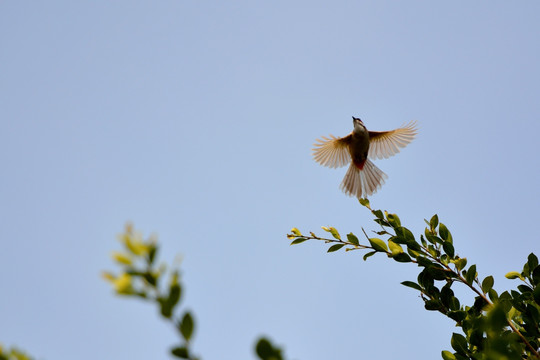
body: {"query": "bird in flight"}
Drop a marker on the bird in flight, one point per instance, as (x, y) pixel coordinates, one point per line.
(363, 178)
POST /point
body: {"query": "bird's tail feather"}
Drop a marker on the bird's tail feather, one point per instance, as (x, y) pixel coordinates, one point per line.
(362, 183)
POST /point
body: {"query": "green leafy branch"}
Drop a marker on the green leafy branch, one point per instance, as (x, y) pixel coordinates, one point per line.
(495, 325)
(141, 277)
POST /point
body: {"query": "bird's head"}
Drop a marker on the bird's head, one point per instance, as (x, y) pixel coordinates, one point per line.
(358, 124)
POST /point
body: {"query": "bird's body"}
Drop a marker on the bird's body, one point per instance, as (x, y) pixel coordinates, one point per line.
(363, 178)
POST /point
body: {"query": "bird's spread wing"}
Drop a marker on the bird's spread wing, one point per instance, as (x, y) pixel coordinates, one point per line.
(332, 152)
(383, 144)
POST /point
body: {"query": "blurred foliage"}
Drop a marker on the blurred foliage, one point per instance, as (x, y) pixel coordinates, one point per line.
(141, 277)
(495, 326)
(13, 354)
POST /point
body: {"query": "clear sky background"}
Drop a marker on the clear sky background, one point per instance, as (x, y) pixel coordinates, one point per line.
(195, 120)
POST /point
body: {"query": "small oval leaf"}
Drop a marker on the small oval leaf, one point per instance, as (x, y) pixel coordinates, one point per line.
(378, 244)
(335, 247)
(353, 239)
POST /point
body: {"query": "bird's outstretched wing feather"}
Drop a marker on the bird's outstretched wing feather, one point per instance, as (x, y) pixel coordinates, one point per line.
(383, 144)
(332, 151)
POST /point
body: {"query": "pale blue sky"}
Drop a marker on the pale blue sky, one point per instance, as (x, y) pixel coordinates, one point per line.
(195, 120)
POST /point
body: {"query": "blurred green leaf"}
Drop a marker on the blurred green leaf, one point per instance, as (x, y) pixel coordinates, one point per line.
(165, 307)
(150, 278)
(174, 295)
(186, 326)
(152, 253)
(180, 352)
(378, 244)
(335, 247)
(266, 351)
(352, 239)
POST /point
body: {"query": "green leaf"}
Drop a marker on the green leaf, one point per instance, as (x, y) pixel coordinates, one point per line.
(180, 352)
(378, 244)
(536, 275)
(332, 230)
(353, 239)
(364, 202)
(433, 305)
(444, 233)
(532, 260)
(471, 274)
(460, 264)
(536, 294)
(512, 275)
(393, 220)
(174, 296)
(371, 253)
(150, 278)
(403, 232)
(335, 247)
(459, 343)
(152, 253)
(378, 213)
(402, 258)
(493, 296)
(433, 222)
(394, 248)
(487, 284)
(266, 351)
(186, 326)
(412, 284)
(382, 222)
(447, 355)
(524, 289)
(434, 239)
(423, 261)
(448, 248)
(165, 307)
(458, 315)
(298, 241)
